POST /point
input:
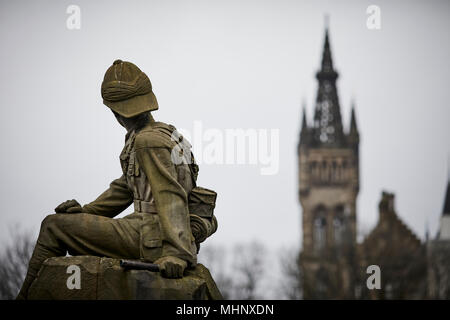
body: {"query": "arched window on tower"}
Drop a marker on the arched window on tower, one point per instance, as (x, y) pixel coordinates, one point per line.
(314, 170)
(338, 225)
(333, 175)
(344, 173)
(324, 172)
(320, 229)
(339, 171)
(322, 284)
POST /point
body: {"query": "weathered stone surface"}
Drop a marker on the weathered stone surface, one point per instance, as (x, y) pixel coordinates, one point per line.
(103, 278)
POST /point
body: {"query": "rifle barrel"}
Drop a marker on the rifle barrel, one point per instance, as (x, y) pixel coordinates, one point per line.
(139, 265)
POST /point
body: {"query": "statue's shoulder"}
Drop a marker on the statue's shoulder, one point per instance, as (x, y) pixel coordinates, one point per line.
(155, 135)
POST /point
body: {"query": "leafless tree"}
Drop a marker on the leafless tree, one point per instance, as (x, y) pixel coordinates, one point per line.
(215, 259)
(14, 260)
(290, 282)
(238, 275)
(249, 263)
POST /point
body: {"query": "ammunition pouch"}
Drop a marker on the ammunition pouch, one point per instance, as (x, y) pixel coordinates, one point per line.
(201, 205)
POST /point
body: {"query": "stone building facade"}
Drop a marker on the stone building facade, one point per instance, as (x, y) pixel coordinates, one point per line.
(399, 254)
(329, 185)
(333, 264)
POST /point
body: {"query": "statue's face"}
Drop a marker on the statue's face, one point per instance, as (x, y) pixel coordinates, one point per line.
(130, 123)
(127, 123)
(119, 119)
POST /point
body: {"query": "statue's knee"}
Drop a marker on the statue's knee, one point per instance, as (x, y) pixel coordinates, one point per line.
(49, 222)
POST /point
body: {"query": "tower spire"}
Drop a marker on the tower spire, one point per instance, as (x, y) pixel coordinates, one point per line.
(327, 116)
(326, 19)
(304, 123)
(444, 228)
(327, 61)
(448, 167)
(353, 125)
(446, 209)
(304, 130)
(353, 134)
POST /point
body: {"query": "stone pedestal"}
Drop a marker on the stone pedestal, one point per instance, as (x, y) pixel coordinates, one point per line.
(96, 278)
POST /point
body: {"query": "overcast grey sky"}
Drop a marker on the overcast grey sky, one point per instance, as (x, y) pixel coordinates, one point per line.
(231, 64)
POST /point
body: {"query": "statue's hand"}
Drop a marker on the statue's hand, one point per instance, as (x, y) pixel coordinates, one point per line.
(69, 206)
(171, 267)
(198, 228)
(197, 231)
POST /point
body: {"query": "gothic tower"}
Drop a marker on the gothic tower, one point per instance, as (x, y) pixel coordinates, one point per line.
(328, 160)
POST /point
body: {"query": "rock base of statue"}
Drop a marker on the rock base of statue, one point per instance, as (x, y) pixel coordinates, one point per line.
(96, 278)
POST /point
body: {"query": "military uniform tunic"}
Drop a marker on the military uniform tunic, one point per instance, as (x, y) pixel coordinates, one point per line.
(158, 227)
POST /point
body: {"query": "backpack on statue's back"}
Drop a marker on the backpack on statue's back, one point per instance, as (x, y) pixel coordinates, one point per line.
(201, 203)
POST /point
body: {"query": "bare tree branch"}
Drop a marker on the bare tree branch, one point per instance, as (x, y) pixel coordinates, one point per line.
(290, 283)
(249, 262)
(14, 260)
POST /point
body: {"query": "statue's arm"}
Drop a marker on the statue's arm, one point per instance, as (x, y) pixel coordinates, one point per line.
(113, 201)
(171, 201)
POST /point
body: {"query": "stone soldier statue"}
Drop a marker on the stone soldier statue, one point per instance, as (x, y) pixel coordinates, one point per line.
(171, 217)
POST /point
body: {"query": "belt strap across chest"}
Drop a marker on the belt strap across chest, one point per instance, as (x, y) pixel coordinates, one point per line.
(144, 206)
